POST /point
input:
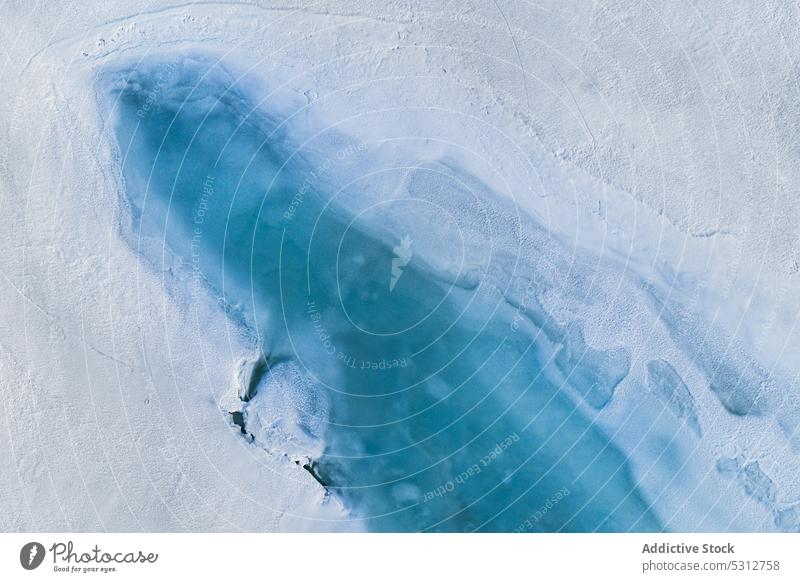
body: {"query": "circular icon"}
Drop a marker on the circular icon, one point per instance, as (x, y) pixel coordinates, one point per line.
(31, 555)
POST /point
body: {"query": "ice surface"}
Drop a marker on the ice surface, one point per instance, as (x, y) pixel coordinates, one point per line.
(672, 390)
(761, 488)
(593, 373)
(288, 414)
(743, 387)
(425, 380)
(469, 298)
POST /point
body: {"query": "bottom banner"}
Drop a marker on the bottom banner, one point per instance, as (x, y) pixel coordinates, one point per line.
(357, 557)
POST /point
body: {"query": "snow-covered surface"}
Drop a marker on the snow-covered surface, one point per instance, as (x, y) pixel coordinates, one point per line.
(662, 141)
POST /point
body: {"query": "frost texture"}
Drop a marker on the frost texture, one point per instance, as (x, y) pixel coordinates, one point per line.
(593, 373)
(760, 487)
(743, 388)
(288, 414)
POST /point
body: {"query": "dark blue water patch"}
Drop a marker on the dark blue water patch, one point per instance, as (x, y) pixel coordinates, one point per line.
(452, 408)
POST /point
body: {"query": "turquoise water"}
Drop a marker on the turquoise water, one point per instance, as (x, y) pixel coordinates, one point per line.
(448, 405)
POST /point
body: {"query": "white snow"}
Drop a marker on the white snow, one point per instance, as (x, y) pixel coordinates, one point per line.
(663, 139)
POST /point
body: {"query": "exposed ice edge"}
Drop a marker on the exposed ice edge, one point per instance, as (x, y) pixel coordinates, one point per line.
(277, 408)
(750, 403)
(269, 402)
